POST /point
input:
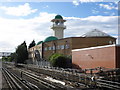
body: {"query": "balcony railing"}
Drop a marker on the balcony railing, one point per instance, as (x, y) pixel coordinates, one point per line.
(54, 25)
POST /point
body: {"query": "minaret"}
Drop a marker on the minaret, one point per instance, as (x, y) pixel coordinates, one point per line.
(58, 26)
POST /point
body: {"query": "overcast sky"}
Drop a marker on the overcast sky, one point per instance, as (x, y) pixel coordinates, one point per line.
(25, 21)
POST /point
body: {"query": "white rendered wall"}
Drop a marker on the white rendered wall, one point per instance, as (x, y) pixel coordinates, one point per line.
(59, 33)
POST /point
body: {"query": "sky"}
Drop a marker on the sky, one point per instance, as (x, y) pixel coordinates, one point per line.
(27, 21)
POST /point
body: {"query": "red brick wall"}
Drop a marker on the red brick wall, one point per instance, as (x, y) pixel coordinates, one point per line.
(98, 57)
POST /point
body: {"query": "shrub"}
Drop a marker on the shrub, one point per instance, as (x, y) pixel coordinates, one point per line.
(59, 60)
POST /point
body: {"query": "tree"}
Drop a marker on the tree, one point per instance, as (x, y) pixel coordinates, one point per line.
(32, 44)
(13, 56)
(9, 58)
(59, 60)
(4, 58)
(21, 53)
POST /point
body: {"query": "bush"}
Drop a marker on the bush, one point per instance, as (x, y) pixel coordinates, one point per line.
(59, 60)
(6, 58)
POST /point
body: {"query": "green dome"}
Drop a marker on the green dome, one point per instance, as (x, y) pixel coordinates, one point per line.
(58, 17)
(39, 42)
(51, 38)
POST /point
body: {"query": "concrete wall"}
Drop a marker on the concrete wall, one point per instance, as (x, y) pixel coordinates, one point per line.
(102, 56)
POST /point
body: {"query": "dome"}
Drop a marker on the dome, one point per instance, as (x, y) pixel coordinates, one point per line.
(58, 17)
(39, 42)
(51, 38)
(96, 33)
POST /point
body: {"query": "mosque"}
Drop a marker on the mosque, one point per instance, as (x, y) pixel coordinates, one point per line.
(58, 44)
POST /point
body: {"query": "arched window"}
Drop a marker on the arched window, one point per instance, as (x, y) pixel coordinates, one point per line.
(58, 47)
(62, 47)
(54, 47)
(67, 46)
(110, 42)
(45, 48)
(57, 22)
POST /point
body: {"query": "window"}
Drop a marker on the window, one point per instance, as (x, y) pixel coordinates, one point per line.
(110, 42)
(66, 46)
(50, 48)
(53, 47)
(62, 46)
(45, 48)
(58, 47)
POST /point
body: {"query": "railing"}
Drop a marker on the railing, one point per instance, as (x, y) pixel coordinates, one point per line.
(54, 25)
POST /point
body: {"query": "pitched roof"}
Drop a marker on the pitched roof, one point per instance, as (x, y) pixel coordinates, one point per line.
(96, 33)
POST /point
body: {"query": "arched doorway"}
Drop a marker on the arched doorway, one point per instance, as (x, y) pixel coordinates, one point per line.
(37, 57)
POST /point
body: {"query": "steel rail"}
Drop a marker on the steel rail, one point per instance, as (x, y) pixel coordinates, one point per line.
(9, 82)
(13, 80)
(43, 81)
(19, 83)
(108, 84)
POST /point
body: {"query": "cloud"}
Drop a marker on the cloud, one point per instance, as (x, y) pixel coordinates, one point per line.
(76, 2)
(21, 10)
(80, 26)
(101, 19)
(91, 0)
(99, 1)
(46, 6)
(95, 11)
(38, 28)
(18, 30)
(108, 7)
(4, 46)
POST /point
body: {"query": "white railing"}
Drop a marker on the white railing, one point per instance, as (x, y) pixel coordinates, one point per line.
(54, 25)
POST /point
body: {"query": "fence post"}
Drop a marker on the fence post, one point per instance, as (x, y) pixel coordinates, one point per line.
(21, 74)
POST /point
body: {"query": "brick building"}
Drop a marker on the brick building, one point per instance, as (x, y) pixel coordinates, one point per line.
(66, 45)
(101, 56)
(58, 44)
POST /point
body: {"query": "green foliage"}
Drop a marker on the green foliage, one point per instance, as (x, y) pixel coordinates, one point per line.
(59, 60)
(21, 53)
(19, 56)
(9, 58)
(32, 44)
(13, 56)
(6, 58)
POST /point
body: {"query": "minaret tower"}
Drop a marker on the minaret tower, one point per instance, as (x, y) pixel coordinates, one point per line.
(58, 26)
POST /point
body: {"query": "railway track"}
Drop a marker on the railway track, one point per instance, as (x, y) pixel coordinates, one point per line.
(48, 84)
(20, 83)
(16, 83)
(108, 84)
(82, 81)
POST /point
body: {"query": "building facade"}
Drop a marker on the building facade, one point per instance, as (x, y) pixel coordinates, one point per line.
(57, 44)
(101, 56)
(35, 53)
(66, 45)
